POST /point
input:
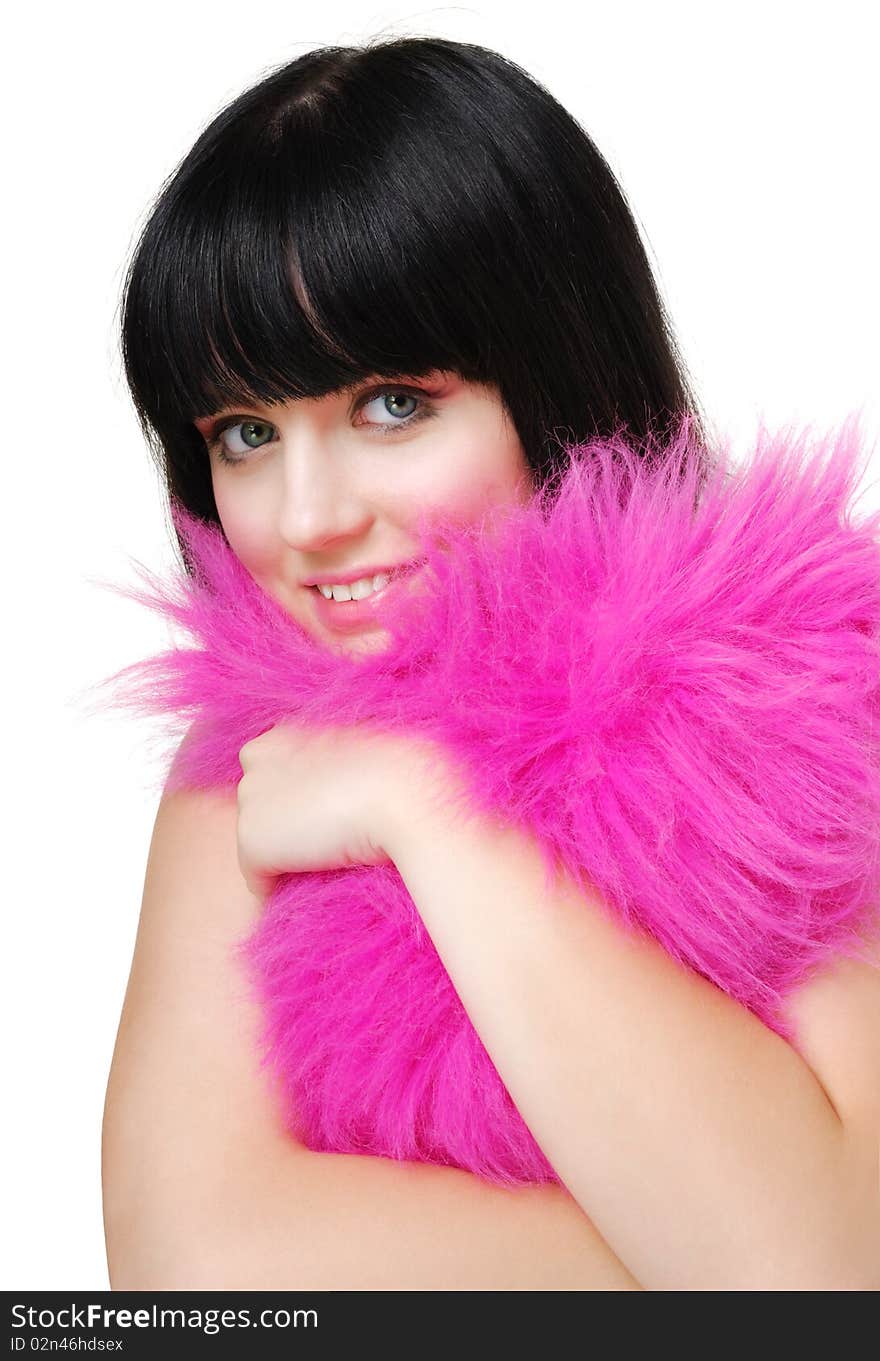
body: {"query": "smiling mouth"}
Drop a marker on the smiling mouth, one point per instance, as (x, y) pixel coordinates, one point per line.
(349, 614)
(355, 599)
(393, 574)
(352, 600)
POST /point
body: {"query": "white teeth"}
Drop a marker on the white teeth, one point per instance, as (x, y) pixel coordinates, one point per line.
(355, 590)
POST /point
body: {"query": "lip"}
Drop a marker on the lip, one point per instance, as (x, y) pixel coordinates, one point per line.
(346, 616)
(346, 578)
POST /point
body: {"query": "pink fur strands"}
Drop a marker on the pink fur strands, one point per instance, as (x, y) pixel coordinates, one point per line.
(672, 684)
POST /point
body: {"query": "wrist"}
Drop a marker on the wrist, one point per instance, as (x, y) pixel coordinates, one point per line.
(417, 790)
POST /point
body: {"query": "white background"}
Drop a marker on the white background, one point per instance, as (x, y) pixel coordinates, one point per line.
(746, 138)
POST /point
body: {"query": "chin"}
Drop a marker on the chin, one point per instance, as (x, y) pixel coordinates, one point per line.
(373, 641)
(351, 645)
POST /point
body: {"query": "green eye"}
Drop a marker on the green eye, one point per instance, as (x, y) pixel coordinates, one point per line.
(400, 407)
(391, 404)
(254, 433)
(232, 442)
(233, 439)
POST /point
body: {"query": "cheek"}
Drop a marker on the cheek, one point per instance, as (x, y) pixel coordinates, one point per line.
(247, 530)
(475, 474)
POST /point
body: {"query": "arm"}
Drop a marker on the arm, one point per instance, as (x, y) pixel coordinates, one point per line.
(202, 1186)
(700, 1143)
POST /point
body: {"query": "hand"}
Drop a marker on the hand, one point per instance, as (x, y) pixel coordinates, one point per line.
(315, 799)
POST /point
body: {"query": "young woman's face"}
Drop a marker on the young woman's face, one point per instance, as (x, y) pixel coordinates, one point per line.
(329, 489)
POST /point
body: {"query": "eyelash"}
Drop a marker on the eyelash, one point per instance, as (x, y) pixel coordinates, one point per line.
(422, 412)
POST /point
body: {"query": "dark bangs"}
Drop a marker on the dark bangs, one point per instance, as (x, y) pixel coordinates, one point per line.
(281, 267)
(387, 210)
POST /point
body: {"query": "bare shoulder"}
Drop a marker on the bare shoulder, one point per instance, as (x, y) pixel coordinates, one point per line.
(836, 1022)
(189, 1000)
(188, 1113)
(194, 843)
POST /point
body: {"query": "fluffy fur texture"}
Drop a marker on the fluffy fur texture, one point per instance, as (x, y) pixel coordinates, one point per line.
(674, 687)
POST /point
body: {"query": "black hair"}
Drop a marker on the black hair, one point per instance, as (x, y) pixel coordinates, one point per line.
(407, 205)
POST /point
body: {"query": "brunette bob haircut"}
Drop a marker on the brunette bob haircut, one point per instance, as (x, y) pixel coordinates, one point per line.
(408, 205)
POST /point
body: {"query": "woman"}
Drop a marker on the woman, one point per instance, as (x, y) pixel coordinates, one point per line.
(386, 280)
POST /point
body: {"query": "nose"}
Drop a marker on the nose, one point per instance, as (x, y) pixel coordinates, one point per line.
(318, 503)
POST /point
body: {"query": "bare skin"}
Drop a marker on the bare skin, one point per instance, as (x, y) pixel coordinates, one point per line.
(322, 487)
(202, 1186)
(192, 1140)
